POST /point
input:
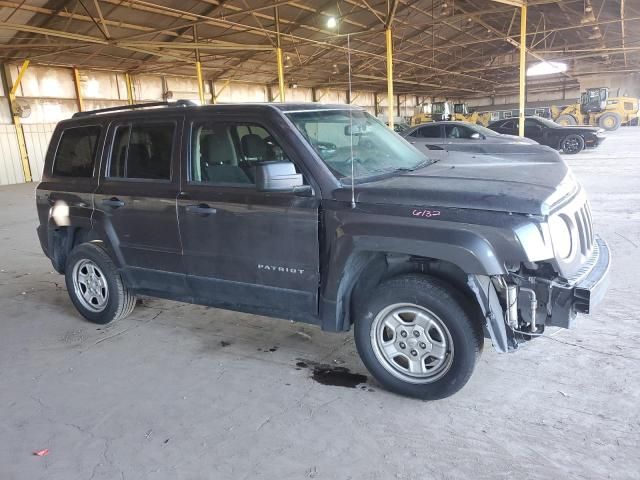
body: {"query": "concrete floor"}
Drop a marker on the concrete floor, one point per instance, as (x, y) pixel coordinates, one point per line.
(185, 392)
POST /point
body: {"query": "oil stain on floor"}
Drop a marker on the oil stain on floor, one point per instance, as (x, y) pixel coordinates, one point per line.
(332, 375)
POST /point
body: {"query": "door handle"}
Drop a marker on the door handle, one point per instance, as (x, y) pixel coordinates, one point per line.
(201, 209)
(113, 202)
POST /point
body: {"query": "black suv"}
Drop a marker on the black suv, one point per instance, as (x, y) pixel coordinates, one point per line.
(569, 139)
(319, 214)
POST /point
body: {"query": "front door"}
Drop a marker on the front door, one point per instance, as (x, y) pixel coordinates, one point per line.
(136, 201)
(428, 139)
(244, 249)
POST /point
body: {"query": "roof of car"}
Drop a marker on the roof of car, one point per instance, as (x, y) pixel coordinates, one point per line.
(180, 105)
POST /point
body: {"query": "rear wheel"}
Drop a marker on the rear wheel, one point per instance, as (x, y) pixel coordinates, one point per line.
(566, 120)
(572, 144)
(610, 121)
(416, 337)
(95, 286)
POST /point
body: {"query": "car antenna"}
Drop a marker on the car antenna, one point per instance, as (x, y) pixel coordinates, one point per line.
(353, 188)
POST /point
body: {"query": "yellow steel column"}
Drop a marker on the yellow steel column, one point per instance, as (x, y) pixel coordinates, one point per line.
(279, 55)
(198, 66)
(76, 84)
(390, 102)
(22, 146)
(127, 80)
(280, 73)
(523, 66)
(200, 84)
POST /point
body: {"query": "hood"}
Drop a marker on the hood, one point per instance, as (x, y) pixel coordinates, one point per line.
(526, 179)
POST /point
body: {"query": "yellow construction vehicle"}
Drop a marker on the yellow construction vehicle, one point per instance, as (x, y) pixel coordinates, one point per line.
(461, 113)
(598, 109)
(432, 112)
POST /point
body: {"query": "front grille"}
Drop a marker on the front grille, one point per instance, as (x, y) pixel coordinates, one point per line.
(577, 213)
(585, 228)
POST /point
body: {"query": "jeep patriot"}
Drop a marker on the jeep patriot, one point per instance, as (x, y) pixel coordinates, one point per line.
(319, 214)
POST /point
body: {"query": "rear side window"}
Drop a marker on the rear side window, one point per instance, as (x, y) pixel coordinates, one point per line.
(432, 131)
(76, 152)
(142, 151)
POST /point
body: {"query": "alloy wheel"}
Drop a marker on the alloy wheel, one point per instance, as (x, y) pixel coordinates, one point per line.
(412, 343)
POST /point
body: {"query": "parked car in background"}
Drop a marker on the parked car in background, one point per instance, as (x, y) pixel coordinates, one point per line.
(569, 139)
(436, 139)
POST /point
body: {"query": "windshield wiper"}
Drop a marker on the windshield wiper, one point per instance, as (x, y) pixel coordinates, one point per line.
(426, 162)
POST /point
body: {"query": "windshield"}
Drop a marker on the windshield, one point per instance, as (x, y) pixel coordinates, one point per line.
(547, 122)
(376, 149)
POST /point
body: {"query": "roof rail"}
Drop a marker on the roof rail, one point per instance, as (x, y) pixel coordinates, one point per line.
(137, 106)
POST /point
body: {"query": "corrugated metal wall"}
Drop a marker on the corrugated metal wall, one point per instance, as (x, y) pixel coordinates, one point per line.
(10, 163)
(37, 138)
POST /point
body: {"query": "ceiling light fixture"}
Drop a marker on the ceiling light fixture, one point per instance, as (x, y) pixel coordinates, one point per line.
(332, 22)
(546, 68)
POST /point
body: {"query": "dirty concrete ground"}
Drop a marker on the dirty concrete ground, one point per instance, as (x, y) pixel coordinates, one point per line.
(186, 392)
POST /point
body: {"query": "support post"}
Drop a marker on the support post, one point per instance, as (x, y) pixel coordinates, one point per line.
(22, 145)
(78, 89)
(198, 67)
(212, 90)
(376, 104)
(280, 73)
(279, 56)
(389, 42)
(127, 80)
(523, 67)
(314, 94)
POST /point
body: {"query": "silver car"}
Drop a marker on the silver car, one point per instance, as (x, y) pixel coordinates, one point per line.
(436, 139)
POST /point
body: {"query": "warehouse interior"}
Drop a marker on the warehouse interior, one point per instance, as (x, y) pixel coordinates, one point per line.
(185, 391)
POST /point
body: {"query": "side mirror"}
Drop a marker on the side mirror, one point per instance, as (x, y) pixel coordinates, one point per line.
(277, 177)
(476, 136)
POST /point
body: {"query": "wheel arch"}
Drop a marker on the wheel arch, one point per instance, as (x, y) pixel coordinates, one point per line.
(365, 270)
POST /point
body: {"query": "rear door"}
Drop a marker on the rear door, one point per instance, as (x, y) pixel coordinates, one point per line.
(136, 201)
(65, 195)
(244, 249)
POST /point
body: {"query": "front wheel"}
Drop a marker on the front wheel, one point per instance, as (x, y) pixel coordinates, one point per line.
(416, 337)
(95, 286)
(572, 144)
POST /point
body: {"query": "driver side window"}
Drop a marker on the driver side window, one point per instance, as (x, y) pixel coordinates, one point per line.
(228, 153)
(458, 131)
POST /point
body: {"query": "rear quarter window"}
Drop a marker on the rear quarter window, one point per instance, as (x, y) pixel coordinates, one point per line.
(76, 152)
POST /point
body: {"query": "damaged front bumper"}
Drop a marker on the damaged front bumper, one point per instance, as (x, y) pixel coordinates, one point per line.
(519, 308)
(585, 291)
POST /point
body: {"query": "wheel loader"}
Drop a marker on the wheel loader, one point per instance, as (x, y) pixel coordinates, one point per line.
(597, 108)
(432, 112)
(461, 113)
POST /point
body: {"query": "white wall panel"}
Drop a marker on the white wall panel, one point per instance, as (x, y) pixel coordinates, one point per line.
(37, 138)
(101, 85)
(45, 82)
(10, 162)
(147, 88)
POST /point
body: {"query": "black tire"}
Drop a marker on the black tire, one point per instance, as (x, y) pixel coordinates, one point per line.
(610, 121)
(118, 300)
(572, 144)
(566, 120)
(442, 303)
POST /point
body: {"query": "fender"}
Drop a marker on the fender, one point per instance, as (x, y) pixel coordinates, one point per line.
(348, 257)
